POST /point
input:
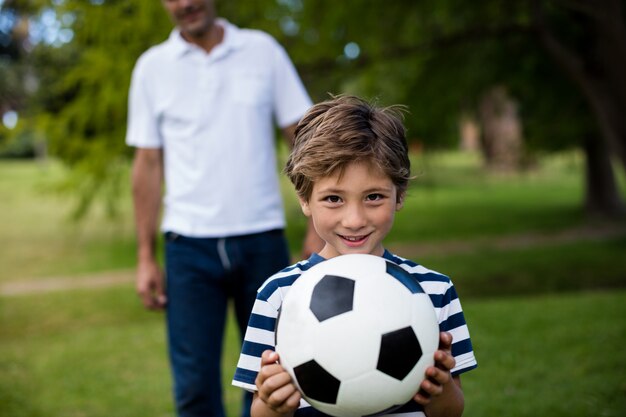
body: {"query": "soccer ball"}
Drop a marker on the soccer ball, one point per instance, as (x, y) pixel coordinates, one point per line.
(356, 333)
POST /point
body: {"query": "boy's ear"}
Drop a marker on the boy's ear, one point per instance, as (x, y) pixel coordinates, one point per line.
(400, 201)
(304, 205)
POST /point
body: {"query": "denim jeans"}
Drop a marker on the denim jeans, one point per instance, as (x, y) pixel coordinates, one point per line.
(202, 275)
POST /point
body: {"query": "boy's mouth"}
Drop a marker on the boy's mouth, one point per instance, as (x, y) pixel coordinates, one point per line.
(354, 240)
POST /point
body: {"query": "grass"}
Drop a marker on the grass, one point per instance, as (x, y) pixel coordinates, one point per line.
(547, 319)
(548, 355)
(82, 354)
(95, 353)
(452, 198)
(462, 201)
(535, 270)
(41, 239)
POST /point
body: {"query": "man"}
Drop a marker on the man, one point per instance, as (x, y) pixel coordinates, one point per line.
(201, 111)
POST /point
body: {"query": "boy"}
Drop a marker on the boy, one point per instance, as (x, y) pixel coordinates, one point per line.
(350, 168)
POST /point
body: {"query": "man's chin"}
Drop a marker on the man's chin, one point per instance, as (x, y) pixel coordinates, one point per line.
(195, 29)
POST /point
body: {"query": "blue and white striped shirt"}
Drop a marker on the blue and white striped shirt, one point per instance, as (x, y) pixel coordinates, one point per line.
(260, 332)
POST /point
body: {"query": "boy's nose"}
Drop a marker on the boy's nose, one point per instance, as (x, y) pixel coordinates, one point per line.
(354, 217)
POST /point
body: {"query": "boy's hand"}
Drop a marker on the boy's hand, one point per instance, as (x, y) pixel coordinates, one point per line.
(439, 375)
(274, 385)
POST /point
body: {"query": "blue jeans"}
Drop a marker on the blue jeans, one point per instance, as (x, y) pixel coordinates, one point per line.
(202, 275)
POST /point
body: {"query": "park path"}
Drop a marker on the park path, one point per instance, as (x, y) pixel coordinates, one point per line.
(46, 285)
(595, 232)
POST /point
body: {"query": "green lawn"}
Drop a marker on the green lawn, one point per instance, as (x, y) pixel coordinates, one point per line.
(558, 355)
(452, 198)
(97, 354)
(39, 237)
(547, 318)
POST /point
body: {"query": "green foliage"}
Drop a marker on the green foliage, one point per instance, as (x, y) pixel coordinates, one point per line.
(11, 90)
(22, 144)
(85, 121)
(437, 57)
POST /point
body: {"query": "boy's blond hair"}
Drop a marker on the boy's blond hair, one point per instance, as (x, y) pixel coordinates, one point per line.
(343, 130)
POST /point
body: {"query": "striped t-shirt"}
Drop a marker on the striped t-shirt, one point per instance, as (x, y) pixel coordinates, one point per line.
(260, 332)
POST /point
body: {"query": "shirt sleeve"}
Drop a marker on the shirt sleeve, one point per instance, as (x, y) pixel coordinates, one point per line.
(448, 310)
(291, 99)
(142, 127)
(452, 320)
(259, 337)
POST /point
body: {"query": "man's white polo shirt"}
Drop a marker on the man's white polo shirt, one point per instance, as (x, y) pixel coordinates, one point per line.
(214, 115)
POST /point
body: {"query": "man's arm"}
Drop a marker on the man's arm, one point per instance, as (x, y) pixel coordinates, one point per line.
(147, 185)
(312, 242)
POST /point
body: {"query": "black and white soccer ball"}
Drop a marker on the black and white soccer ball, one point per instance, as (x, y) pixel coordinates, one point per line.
(356, 333)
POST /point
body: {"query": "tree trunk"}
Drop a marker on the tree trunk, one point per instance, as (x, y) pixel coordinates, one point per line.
(601, 192)
(469, 133)
(610, 42)
(501, 137)
(598, 71)
(603, 79)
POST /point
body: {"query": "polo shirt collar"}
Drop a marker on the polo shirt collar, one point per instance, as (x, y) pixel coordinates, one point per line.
(232, 40)
(315, 258)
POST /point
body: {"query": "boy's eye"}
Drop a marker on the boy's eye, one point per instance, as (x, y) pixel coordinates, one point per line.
(374, 197)
(333, 199)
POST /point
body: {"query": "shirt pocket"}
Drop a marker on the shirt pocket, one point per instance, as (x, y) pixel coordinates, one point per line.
(250, 88)
(176, 123)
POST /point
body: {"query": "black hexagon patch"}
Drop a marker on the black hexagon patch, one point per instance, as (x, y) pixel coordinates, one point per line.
(399, 352)
(332, 296)
(316, 382)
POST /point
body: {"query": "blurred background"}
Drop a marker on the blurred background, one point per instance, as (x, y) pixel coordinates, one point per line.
(517, 128)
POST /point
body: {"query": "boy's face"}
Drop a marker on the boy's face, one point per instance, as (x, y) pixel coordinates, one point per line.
(354, 213)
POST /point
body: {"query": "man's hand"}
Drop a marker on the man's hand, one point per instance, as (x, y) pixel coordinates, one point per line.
(150, 286)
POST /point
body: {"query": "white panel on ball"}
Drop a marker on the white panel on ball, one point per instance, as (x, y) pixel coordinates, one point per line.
(357, 333)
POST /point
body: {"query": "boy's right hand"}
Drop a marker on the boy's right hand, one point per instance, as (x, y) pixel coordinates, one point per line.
(275, 387)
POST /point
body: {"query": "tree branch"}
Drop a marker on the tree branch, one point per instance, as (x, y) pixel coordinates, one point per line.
(585, 7)
(568, 60)
(469, 35)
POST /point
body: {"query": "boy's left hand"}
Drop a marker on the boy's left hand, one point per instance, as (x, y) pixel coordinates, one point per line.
(439, 374)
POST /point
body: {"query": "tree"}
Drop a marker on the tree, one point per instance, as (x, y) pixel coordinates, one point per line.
(596, 62)
(82, 110)
(13, 63)
(561, 60)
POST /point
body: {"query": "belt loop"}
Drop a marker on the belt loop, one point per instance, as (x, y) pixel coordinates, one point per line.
(221, 250)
